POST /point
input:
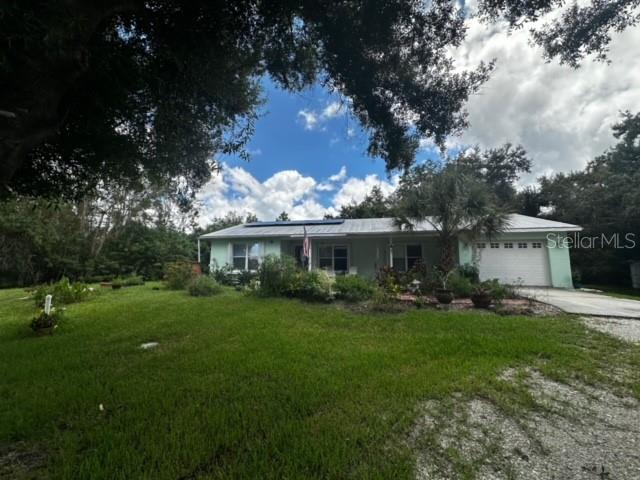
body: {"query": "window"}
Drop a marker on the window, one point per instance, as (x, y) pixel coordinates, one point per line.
(340, 259)
(255, 256)
(239, 256)
(414, 255)
(481, 245)
(246, 256)
(536, 244)
(334, 257)
(406, 256)
(399, 258)
(508, 245)
(325, 257)
(522, 245)
(495, 245)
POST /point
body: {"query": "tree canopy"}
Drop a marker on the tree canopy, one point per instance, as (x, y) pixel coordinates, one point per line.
(605, 200)
(148, 92)
(454, 201)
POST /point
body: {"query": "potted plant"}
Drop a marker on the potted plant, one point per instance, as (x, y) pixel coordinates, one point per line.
(443, 294)
(116, 284)
(45, 323)
(481, 296)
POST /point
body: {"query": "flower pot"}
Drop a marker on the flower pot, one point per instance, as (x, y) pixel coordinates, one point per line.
(481, 300)
(444, 296)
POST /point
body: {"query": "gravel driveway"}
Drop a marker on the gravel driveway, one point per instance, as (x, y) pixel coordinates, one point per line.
(624, 328)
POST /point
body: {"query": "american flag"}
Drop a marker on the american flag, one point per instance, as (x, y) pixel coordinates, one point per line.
(306, 245)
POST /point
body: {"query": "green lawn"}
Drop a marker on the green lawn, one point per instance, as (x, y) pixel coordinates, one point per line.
(244, 387)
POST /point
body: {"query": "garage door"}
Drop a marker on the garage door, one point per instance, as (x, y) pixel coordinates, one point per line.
(523, 262)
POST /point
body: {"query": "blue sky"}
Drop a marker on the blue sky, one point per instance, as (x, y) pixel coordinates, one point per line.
(309, 155)
(311, 132)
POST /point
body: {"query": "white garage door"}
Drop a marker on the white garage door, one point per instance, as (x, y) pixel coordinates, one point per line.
(523, 262)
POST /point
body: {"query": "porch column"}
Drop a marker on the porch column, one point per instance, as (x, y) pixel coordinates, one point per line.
(310, 260)
(390, 252)
(198, 250)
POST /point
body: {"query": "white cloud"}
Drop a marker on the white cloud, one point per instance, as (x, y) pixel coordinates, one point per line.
(235, 189)
(561, 116)
(330, 184)
(355, 189)
(332, 110)
(341, 175)
(325, 187)
(309, 118)
(315, 120)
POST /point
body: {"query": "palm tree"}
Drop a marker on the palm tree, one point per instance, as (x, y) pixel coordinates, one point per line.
(453, 201)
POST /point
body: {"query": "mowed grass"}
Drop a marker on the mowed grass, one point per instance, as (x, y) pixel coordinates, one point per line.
(244, 387)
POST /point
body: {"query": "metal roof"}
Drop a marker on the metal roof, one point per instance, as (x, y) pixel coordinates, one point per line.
(370, 226)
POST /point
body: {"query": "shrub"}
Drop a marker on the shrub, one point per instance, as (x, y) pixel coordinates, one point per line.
(389, 280)
(277, 275)
(63, 292)
(470, 272)
(43, 321)
(385, 302)
(228, 276)
(499, 291)
(203, 286)
(461, 286)
(245, 277)
(178, 275)
(353, 288)
(223, 275)
(313, 286)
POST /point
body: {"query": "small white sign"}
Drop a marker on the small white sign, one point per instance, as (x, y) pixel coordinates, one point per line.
(47, 304)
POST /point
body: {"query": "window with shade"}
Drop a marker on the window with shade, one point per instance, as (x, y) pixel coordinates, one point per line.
(239, 256)
(246, 256)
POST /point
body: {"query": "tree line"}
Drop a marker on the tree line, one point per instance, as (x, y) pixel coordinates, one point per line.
(603, 198)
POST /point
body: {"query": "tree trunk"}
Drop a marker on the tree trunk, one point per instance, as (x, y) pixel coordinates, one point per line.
(447, 254)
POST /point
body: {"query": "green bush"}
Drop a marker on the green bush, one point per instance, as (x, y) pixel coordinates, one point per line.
(389, 280)
(499, 291)
(228, 276)
(42, 320)
(63, 292)
(277, 275)
(352, 288)
(178, 275)
(223, 275)
(470, 272)
(385, 302)
(312, 286)
(461, 286)
(203, 286)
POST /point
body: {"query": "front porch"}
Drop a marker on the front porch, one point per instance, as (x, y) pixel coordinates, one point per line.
(365, 256)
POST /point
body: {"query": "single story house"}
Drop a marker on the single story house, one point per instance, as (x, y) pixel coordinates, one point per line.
(529, 252)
